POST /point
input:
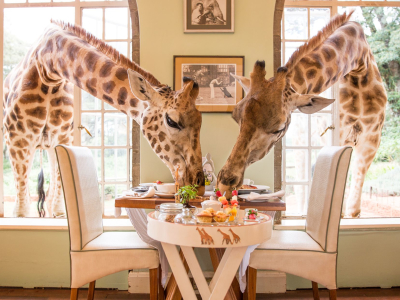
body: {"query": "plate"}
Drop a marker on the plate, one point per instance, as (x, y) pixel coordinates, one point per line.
(165, 195)
(259, 189)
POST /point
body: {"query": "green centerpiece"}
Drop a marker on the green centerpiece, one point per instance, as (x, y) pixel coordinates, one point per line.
(187, 193)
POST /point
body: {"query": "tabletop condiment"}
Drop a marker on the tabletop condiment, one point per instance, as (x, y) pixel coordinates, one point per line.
(167, 212)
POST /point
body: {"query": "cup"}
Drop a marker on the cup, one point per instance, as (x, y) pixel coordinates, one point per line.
(247, 181)
(167, 188)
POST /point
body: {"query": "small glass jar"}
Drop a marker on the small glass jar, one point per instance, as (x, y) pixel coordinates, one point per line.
(186, 217)
(167, 212)
(251, 214)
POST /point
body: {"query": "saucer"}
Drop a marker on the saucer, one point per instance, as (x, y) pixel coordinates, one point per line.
(165, 195)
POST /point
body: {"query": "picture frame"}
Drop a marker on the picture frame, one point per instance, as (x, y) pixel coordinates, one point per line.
(209, 16)
(219, 91)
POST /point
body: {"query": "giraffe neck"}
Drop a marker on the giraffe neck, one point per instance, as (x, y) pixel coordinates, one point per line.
(345, 51)
(66, 57)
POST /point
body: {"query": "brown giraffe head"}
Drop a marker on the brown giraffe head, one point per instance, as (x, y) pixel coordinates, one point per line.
(264, 117)
(171, 124)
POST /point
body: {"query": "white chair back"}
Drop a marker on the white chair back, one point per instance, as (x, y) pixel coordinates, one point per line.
(81, 194)
(326, 196)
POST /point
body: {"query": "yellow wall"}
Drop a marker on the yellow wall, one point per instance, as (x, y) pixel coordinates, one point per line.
(162, 37)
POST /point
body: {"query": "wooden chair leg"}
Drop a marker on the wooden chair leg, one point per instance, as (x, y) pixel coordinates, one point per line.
(92, 286)
(315, 290)
(251, 276)
(74, 294)
(161, 293)
(332, 294)
(153, 284)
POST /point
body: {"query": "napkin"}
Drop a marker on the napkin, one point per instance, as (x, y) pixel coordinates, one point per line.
(256, 196)
(149, 194)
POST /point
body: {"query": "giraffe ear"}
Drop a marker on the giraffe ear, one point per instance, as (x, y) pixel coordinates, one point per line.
(190, 88)
(141, 88)
(310, 104)
(244, 82)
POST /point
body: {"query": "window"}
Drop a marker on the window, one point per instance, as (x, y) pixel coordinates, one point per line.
(381, 22)
(111, 130)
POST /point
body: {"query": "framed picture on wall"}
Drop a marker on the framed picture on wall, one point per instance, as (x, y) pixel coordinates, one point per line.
(209, 15)
(219, 91)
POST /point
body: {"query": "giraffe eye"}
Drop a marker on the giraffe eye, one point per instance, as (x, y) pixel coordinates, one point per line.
(279, 131)
(172, 123)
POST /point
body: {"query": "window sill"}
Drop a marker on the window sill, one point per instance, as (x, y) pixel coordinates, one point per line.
(58, 224)
(347, 224)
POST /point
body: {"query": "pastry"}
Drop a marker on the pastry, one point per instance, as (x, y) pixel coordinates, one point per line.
(220, 216)
(205, 216)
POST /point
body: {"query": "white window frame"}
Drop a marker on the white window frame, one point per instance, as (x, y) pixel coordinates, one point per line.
(79, 6)
(333, 5)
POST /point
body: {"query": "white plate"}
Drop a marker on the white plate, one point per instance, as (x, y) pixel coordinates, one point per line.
(260, 188)
(165, 195)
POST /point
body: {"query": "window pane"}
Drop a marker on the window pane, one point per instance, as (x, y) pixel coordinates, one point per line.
(92, 21)
(14, 1)
(90, 102)
(296, 165)
(296, 23)
(115, 130)
(290, 47)
(36, 1)
(112, 191)
(116, 23)
(297, 134)
(296, 199)
(92, 121)
(319, 122)
(121, 47)
(115, 164)
(18, 39)
(319, 17)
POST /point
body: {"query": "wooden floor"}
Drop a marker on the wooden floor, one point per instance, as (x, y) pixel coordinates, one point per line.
(63, 294)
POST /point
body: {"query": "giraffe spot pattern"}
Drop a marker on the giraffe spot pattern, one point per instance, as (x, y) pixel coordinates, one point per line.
(122, 96)
(133, 102)
(31, 98)
(61, 101)
(34, 126)
(121, 74)
(109, 86)
(73, 51)
(60, 42)
(21, 143)
(105, 70)
(31, 79)
(44, 88)
(37, 112)
(56, 116)
(91, 86)
(91, 61)
(328, 53)
(20, 127)
(162, 136)
(134, 113)
(79, 71)
(63, 66)
(48, 48)
(55, 89)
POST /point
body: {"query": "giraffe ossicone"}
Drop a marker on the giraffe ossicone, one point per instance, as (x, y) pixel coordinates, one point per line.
(38, 105)
(338, 53)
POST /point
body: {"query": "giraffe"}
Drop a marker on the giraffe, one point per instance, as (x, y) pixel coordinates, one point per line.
(338, 53)
(226, 238)
(208, 238)
(202, 236)
(38, 107)
(236, 238)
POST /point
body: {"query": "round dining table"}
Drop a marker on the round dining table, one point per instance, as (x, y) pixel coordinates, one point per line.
(235, 238)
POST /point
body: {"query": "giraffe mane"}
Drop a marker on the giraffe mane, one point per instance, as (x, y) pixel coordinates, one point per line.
(317, 40)
(106, 49)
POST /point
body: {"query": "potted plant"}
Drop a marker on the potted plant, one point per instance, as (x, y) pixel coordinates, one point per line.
(187, 193)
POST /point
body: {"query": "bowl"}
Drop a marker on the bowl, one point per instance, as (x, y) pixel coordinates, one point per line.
(167, 188)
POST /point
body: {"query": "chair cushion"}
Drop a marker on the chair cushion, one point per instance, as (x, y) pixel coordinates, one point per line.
(290, 240)
(116, 241)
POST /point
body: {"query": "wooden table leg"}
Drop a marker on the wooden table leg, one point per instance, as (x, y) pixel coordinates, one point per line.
(172, 289)
(234, 292)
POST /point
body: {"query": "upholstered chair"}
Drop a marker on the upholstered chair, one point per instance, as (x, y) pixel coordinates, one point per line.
(311, 254)
(93, 252)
